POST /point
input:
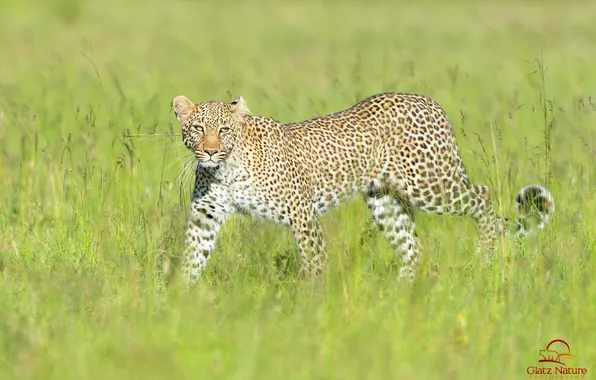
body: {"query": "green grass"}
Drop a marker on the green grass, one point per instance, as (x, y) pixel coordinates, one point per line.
(91, 221)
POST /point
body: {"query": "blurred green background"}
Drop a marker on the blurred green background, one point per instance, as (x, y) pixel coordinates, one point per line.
(96, 184)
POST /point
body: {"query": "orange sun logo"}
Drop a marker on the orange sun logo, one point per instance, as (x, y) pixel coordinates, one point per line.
(550, 355)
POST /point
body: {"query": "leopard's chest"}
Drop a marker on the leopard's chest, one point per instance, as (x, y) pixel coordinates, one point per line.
(251, 199)
(250, 195)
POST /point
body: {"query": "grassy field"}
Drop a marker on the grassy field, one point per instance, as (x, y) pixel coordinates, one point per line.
(95, 191)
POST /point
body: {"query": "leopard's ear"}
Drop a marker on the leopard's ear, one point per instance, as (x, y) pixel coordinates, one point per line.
(239, 108)
(183, 107)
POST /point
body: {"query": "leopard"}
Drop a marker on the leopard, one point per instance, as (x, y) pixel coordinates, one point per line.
(396, 150)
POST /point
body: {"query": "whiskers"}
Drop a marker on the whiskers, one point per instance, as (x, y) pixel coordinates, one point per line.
(187, 169)
(184, 163)
(157, 139)
(152, 136)
(184, 167)
(176, 164)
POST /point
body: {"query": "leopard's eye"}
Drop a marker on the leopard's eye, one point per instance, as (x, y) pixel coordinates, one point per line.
(199, 127)
(224, 130)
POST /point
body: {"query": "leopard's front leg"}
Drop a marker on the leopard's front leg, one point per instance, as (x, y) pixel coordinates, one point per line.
(210, 208)
(309, 237)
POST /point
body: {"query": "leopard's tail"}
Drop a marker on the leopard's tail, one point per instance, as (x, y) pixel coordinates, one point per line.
(535, 206)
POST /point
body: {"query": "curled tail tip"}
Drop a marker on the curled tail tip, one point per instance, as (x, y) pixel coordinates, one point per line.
(534, 201)
(535, 198)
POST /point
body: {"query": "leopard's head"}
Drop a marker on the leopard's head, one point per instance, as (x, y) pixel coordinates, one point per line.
(211, 129)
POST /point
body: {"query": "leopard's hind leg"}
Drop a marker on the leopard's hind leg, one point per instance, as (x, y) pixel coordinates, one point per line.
(394, 217)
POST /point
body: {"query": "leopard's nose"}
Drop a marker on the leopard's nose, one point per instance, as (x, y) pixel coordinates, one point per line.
(211, 152)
